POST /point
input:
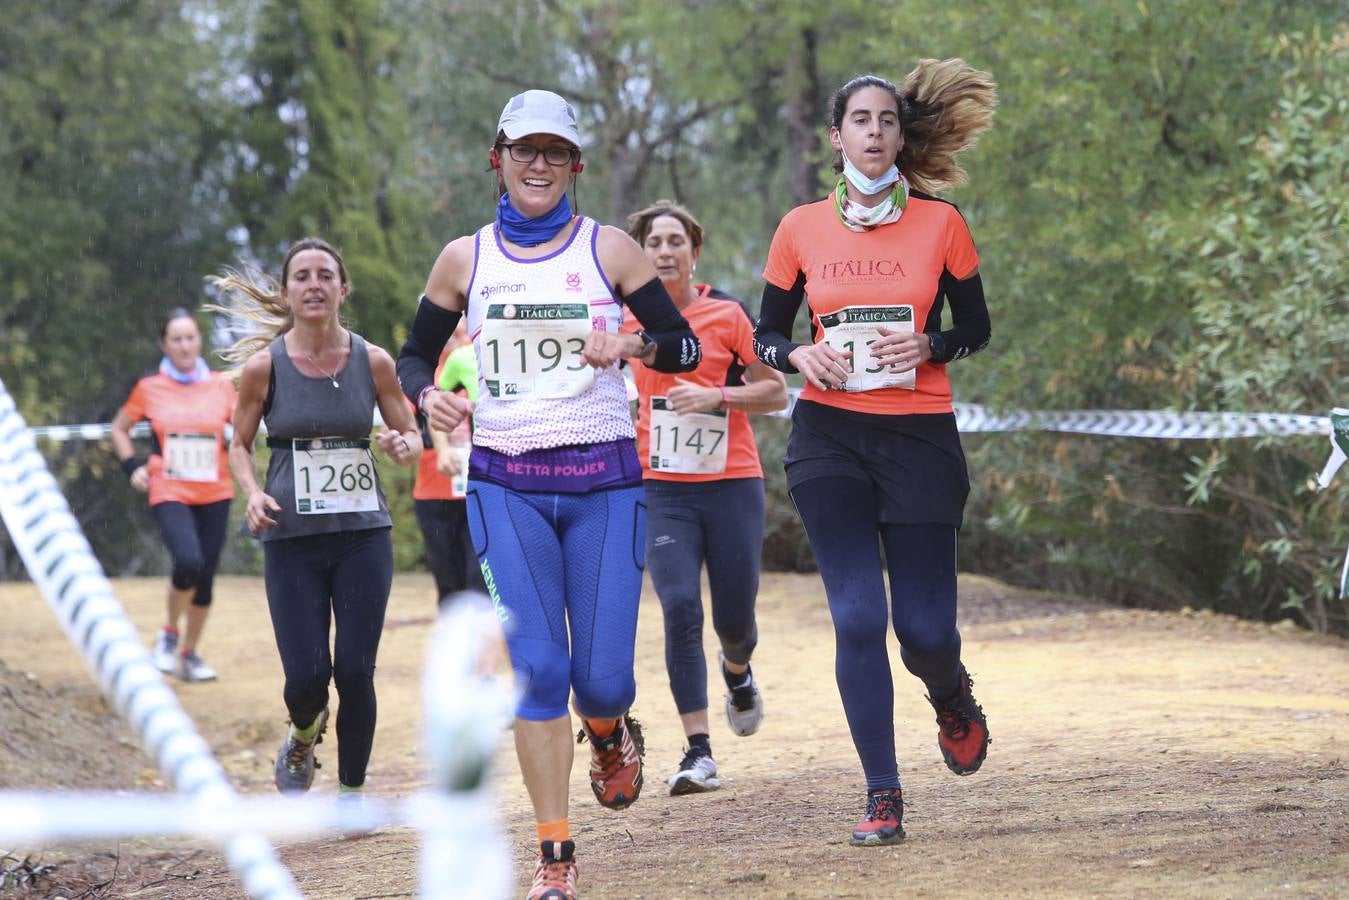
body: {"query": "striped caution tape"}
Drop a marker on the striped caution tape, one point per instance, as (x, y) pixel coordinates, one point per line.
(971, 418)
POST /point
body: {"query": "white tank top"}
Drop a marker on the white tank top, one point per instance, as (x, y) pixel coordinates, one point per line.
(528, 319)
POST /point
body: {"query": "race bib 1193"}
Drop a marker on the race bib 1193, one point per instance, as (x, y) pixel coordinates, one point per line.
(535, 350)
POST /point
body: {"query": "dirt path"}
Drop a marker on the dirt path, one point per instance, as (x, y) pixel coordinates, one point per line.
(1134, 754)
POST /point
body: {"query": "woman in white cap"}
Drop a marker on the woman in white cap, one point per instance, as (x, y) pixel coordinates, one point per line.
(555, 500)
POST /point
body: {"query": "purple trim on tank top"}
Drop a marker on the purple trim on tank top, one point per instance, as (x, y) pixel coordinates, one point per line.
(575, 469)
(468, 294)
(595, 255)
(576, 229)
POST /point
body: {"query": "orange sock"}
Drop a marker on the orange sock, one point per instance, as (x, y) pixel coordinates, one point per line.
(554, 831)
(602, 727)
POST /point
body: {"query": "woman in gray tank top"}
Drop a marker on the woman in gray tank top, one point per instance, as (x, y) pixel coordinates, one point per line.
(321, 515)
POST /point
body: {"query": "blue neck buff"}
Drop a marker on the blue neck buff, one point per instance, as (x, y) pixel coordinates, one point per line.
(200, 371)
(526, 232)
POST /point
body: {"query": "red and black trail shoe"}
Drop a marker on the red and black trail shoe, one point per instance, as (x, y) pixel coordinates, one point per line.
(962, 729)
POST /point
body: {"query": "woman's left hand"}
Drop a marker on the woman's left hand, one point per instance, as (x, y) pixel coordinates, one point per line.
(693, 398)
(604, 348)
(399, 447)
(900, 351)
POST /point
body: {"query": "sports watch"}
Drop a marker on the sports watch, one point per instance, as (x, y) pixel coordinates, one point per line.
(648, 344)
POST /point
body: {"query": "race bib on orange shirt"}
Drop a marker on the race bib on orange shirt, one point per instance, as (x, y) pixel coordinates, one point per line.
(191, 456)
(853, 329)
(690, 444)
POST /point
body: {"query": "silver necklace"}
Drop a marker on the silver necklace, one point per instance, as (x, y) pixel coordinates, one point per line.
(332, 377)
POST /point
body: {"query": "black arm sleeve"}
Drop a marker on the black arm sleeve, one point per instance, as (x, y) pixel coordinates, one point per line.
(773, 332)
(431, 329)
(971, 328)
(677, 349)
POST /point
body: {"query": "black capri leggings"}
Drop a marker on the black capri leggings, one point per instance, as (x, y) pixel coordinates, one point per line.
(194, 536)
(449, 548)
(312, 581)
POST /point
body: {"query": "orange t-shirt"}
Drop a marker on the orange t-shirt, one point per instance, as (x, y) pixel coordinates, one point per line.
(896, 265)
(429, 483)
(187, 463)
(692, 448)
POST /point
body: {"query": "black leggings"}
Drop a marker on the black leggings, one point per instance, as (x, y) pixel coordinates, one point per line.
(312, 581)
(449, 547)
(840, 517)
(194, 536)
(721, 523)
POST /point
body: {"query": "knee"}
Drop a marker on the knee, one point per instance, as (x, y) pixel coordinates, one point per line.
(350, 677)
(860, 626)
(187, 570)
(605, 698)
(683, 614)
(543, 678)
(928, 640)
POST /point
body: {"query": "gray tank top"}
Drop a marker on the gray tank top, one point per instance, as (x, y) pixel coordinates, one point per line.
(339, 487)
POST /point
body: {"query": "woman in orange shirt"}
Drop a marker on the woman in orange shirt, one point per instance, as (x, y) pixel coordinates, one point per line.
(704, 489)
(187, 477)
(874, 451)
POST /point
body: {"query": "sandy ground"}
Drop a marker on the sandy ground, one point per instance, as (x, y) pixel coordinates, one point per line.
(1134, 754)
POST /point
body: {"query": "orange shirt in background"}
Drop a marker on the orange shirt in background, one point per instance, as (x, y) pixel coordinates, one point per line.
(188, 463)
(895, 265)
(726, 333)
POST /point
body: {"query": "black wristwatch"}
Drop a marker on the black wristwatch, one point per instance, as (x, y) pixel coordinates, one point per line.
(648, 344)
(937, 344)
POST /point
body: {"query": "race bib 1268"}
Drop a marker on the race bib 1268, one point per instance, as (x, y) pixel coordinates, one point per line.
(853, 329)
(333, 475)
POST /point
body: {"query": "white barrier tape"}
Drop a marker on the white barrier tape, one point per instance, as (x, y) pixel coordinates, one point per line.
(30, 818)
(971, 418)
(466, 711)
(63, 567)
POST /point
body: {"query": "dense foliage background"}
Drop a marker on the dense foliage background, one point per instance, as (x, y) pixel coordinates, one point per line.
(1160, 210)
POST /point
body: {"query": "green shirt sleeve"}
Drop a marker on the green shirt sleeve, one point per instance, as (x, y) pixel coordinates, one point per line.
(461, 371)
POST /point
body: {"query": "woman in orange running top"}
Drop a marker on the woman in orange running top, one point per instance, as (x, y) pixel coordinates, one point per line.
(874, 451)
(187, 477)
(704, 490)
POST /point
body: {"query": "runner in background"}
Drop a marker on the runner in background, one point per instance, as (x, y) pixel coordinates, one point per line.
(874, 459)
(187, 477)
(322, 517)
(704, 490)
(442, 480)
(555, 499)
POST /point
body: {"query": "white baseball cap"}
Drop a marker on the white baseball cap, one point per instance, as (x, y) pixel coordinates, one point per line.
(539, 112)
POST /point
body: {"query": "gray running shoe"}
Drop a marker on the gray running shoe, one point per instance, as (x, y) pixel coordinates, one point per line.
(295, 762)
(166, 651)
(191, 668)
(697, 775)
(744, 705)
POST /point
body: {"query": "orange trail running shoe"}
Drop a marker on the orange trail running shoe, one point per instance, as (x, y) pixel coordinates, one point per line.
(962, 733)
(555, 874)
(615, 762)
(884, 822)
